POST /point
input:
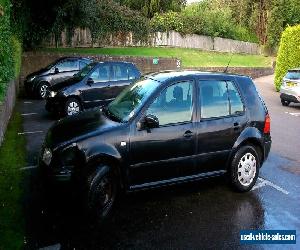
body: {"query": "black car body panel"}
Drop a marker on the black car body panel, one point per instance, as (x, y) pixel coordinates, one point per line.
(99, 92)
(62, 69)
(168, 154)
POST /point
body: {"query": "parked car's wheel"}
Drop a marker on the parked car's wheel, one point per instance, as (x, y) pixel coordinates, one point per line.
(285, 103)
(244, 168)
(42, 90)
(102, 192)
(72, 106)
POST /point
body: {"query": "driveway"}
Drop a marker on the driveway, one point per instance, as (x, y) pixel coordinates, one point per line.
(207, 214)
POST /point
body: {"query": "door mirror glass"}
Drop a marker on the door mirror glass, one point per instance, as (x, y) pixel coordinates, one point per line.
(149, 121)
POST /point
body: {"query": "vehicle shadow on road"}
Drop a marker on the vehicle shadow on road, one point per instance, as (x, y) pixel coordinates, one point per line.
(184, 216)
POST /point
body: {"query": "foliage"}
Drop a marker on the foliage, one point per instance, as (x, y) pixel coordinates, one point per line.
(10, 50)
(12, 158)
(189, 57)
(288, 53)
(204, 18)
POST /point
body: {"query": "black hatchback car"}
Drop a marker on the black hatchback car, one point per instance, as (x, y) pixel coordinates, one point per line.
(166, 128)
(37, 83)
(95, 85)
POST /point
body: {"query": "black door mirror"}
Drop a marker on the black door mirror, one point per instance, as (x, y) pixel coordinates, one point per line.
(56, 70)
(150, 121)
(90, 81)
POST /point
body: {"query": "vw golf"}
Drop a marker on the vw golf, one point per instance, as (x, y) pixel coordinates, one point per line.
(164, 129)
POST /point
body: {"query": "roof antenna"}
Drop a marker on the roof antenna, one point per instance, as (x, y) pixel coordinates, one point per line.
(226, 69)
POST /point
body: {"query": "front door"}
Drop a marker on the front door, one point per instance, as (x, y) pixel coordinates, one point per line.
(97, 92)
(168, 151)
(222, 119)
(64, 70)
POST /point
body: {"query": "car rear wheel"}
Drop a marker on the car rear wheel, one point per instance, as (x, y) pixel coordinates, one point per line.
(72, 107)
(285, 103)
(102, 192)
(245, 168)
(42, 90)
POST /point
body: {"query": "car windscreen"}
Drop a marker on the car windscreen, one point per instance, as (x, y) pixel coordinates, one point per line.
(85, 71)
(131, 99)
(293, 75)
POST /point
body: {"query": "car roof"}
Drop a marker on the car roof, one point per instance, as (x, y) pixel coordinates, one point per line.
(122, 62)
(167, 75)
(296, 69)
(74, 57)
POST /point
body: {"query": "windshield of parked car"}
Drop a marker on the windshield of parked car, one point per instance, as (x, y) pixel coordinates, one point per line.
(293, 75)
(85, 71)
(131, 99)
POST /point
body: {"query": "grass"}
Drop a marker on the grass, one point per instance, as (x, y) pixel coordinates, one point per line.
(12, 158)
(189, 57)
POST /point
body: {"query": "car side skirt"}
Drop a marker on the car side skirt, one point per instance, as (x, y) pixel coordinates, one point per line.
(177, 180)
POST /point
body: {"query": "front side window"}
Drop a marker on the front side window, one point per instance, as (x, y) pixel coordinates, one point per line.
(219, 99)
(100, 74)
(119, 72)
(67, 65)
(174, 104)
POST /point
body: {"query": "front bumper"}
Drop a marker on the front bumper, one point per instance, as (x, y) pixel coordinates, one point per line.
(290, 94)
(55, 105)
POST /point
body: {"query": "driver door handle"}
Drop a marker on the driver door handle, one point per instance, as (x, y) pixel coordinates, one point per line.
(188, 134)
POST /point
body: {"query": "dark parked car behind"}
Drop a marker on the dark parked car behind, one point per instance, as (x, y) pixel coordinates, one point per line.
(37, 83)
(166, 128)
(95, 85)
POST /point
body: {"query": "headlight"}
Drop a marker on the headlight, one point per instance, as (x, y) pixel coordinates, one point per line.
(47, 156)
(31, 78)
(52, 94)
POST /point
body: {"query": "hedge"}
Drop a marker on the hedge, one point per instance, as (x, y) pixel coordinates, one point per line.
(10, 49)
(288, 54)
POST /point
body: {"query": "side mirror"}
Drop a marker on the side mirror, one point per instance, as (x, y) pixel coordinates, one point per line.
(56, 70)
(149, 121)
(90, 81)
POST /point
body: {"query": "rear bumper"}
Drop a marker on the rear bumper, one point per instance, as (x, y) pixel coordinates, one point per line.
(290, 94)
(267, 148)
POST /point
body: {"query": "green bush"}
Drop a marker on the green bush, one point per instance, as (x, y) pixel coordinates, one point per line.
(10, 50)
(288, 54)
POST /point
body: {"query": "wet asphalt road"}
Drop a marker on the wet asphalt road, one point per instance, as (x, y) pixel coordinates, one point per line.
(207, 214)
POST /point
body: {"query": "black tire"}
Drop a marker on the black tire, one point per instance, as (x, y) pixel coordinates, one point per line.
(41, 90)
(72, 107)
(285, 103)
(101, 193)
(243, 165)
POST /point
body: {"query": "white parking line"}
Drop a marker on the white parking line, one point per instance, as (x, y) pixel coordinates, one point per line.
(27, 102)
(293, 114)
(28, 168)
(26, 114)
(53, 247)
(265, 182)
(30, 132)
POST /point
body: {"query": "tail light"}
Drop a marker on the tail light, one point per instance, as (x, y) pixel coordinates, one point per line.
(267, 127)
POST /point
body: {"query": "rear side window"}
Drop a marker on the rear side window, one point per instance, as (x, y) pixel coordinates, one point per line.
(119, 72)
(219, 99)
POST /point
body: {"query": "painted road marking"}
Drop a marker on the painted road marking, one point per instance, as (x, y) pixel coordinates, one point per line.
(30, 132)
(293, 114)
(27, 102)
(28, 168)
(264, 182)
(53, 247)
(29, 114)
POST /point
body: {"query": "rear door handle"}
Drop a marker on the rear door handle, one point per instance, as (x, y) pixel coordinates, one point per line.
(188, 134)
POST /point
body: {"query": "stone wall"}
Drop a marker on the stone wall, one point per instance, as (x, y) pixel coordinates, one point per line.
(252, 72)
(6, 107)
(82, 38)
(33, 61)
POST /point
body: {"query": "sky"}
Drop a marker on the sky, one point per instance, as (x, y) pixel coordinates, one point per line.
(192, 1)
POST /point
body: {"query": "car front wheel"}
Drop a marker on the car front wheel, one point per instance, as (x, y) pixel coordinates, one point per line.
(42, 90)
(102, 191)
(245, 168)
(285, 103)
(72, 107)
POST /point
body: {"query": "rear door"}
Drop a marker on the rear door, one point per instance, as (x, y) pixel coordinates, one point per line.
(222, 117)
